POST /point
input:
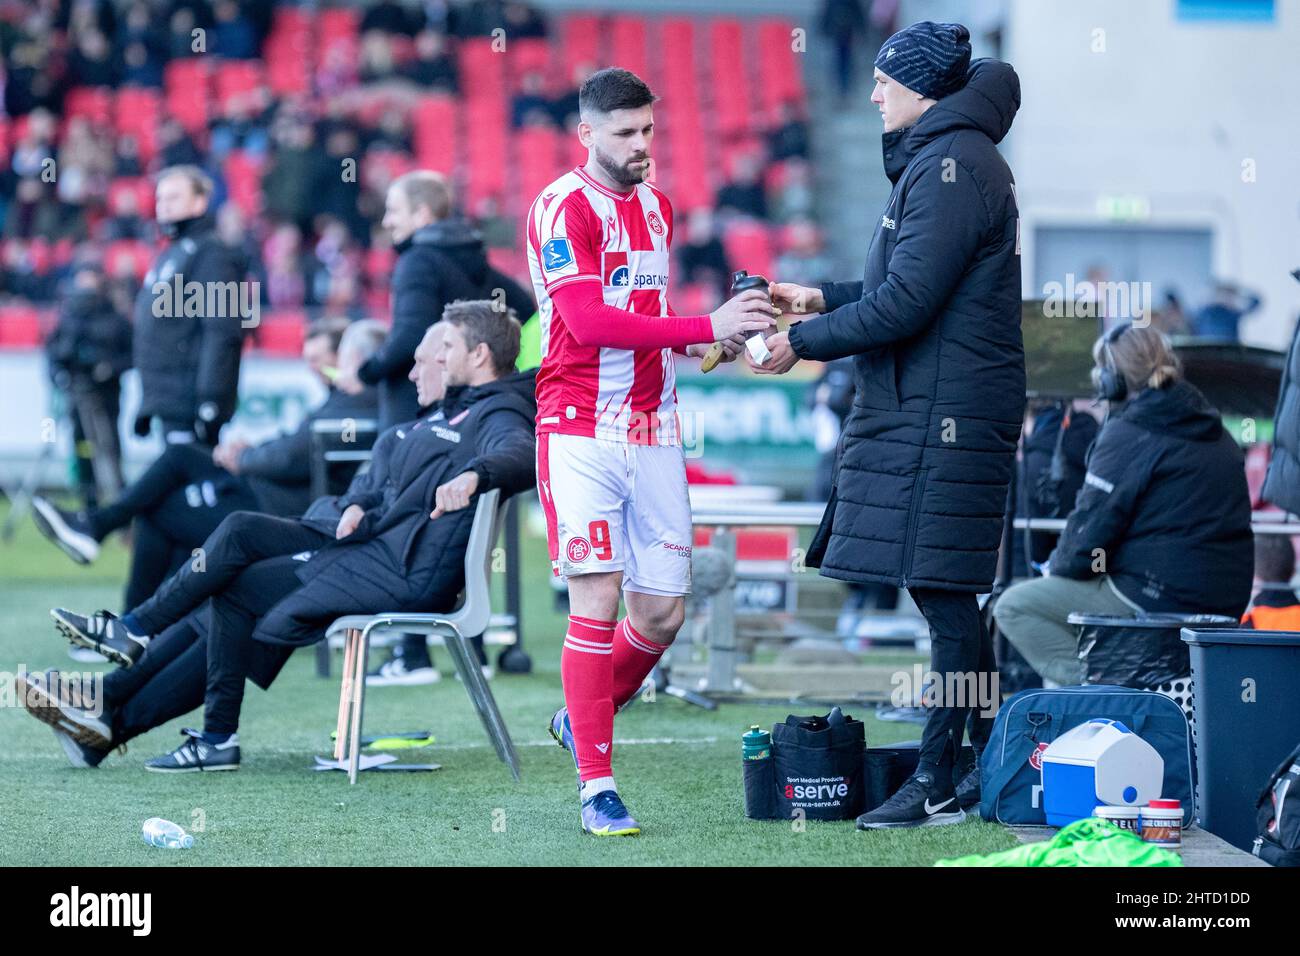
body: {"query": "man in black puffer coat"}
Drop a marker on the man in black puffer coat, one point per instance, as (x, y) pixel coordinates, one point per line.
(440, 258)
(934, 327)
(188, 357)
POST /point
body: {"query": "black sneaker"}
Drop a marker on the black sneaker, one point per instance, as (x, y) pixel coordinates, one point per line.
(196, 755)
(968, 790)
(925, 800)
(102, 632)
(69, 530)
(71, 707)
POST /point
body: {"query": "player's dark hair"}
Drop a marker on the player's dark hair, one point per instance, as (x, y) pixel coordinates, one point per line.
(613, 88)
(483, 322)
(332, 329)
(1274, 558)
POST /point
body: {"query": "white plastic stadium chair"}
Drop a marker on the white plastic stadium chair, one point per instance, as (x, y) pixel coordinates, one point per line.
(470, 619)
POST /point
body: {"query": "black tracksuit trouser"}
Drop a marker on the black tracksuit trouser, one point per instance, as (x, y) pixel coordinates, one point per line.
(961, 655)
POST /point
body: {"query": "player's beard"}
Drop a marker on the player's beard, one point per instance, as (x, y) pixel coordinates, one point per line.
(620, 174)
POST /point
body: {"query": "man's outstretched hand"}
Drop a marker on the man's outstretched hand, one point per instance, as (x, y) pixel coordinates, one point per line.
(794, 299)
(455, 494)
(780, 361)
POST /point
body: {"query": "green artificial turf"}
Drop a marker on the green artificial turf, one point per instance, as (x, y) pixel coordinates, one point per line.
(679, 768)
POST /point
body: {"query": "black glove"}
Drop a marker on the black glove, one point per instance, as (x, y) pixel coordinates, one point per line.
(206, 426)
(142, 424)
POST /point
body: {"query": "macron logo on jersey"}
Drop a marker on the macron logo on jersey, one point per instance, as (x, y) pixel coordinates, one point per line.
(556, 254)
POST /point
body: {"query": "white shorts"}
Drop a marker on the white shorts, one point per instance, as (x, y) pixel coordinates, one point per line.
(614, 506)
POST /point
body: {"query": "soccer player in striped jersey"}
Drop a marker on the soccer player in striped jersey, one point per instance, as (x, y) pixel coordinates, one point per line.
(611, 472)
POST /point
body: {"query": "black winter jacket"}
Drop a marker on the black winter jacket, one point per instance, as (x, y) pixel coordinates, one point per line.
(439, 264)
(926, 454)
(91, 345)
(279, 469)
(187, 360)
(397, 554)
(1164, 508)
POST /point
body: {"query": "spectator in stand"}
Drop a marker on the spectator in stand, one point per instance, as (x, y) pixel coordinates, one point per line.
(1220, 317)
(531, 105)
(241, 126)
(793, 198)
(844, 23)
(20, 274)
(91, 61)
(803, 262)
(175, 148)
(289, 183)
(180, 38)
(388, 16)
(565, 106)
(433, 67)
(36, 213)
(789, 136)
(744, 194)
(124, 221)
(126, 157)
(88, 352)
(285, 287)
(392, 133)
(141, 48)
(377, 61)
(702, 256)
(1275, 606)
(522, 21)
(234, 34)
(335, 195)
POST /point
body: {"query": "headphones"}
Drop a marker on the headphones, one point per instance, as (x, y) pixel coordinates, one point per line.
(1107, 380)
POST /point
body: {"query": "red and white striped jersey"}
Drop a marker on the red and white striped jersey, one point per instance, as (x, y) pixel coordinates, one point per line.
(579, 231)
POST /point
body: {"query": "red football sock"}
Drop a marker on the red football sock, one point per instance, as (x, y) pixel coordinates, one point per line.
(587, 670)
(634, 657)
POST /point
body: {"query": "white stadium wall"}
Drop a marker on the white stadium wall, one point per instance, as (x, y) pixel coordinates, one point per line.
(1138, 117)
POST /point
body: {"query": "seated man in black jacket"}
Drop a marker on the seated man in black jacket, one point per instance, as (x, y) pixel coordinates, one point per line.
(1162, 522)
(396, 541)
(189, 489)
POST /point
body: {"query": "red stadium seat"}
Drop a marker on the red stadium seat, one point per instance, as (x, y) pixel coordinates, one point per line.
(433, 128)
(732, 101)
(343, 23)
(244, 181)
(531, 54)
(481, 73)
(486, 150)
(141, 186)
(580, 44)
(780, 80)
(628, 45)
(281, 333)
(89, 102)
(186, 85)
(4, 139)
(127, 253)
(541, 153)
(749, 246)
(389, 163)
(138, 111)
(236, 77)
(20, 327)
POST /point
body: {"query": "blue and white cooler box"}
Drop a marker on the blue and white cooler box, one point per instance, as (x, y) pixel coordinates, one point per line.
(1098, 762)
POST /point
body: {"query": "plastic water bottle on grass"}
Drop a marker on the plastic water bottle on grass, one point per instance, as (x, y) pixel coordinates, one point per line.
(163, 833)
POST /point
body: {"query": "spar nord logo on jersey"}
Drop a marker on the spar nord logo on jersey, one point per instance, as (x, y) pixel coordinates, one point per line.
(635, 270)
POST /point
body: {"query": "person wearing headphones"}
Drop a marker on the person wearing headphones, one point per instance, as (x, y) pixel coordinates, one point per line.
(1162, 522)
